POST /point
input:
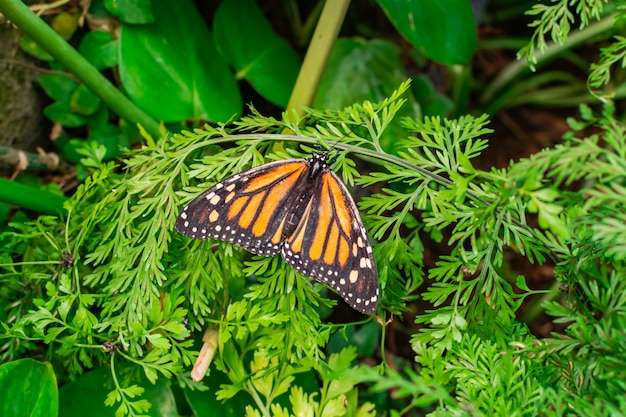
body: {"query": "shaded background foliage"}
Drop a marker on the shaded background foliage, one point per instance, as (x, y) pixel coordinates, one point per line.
(100, 287)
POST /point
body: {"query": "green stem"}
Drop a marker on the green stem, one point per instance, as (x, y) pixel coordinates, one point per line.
(257, 399)
(31, 198)
(21, 16)
(519, 68)
(317, 55)
(462, 75)
(536, 308)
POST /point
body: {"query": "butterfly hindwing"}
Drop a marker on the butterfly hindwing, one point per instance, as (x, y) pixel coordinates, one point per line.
(330, 244)
(247, 209)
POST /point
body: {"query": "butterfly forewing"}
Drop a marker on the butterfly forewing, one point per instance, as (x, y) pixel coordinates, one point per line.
(248, 209)
(297, 207)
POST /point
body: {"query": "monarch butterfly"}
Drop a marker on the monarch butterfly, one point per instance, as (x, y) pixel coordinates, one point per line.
(300, 208)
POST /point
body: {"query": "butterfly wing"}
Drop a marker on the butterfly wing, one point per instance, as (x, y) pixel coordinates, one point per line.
(330, 244)
(247, 209)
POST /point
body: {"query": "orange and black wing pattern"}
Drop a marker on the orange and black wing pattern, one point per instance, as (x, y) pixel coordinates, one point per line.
(247, 209)
(330, 244)
(300, 209)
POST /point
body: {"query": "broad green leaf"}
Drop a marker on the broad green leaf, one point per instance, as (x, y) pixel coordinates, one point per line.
(422, 88)
(83, 101)
(341, 339)
(57, 87)
(444, 30)
(131, 11)
(60, 112)
(70, 150)
(28, 388)
(367, 339)
(359, 70)
(90, 391)
(100, 49)
(248, 43)
(99, 119)
(431, 102)
(172, 70)
(205, 403)
(28, 45)
(441, 106)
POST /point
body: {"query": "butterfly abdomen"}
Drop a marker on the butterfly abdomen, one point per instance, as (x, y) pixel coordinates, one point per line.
(304, 192)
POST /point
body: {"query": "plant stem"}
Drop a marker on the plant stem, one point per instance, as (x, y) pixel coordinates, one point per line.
(517, 68)
(537, 306)
(28, 161)
(31, 198)
(317, 55)
(20, 15)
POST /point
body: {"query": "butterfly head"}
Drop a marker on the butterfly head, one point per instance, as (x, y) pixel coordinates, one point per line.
(318, 164)
(320, 158)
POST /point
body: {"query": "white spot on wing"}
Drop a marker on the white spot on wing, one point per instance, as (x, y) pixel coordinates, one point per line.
(215, 199)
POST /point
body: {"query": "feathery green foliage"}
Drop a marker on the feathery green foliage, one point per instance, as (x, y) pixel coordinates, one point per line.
(114, 285)
(554, 20)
